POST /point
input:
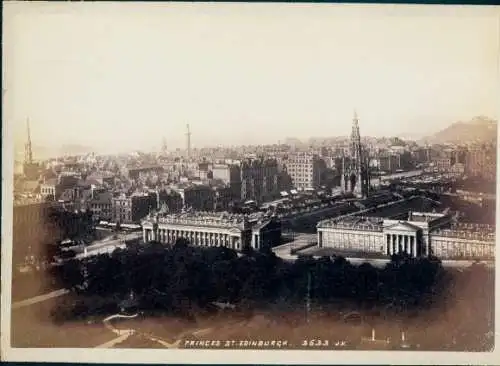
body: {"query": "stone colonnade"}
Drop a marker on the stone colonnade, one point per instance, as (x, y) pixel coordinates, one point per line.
(195, 237)
(401, 243)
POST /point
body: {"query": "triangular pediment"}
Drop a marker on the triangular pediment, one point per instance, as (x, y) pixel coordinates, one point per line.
(402, 226)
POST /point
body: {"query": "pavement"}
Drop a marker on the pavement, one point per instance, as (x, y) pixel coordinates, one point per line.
(283, 251)
(108, 244)
(124, 334)
(114, 341)
(120, 238)
(40, 298)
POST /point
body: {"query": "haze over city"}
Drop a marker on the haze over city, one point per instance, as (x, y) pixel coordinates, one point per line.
(250, 177)
(117, 77)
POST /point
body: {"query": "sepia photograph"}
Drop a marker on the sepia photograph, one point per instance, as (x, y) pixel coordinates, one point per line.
(249, 183)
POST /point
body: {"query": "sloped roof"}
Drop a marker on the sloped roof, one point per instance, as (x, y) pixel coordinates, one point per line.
(102, 197)
(403, 226)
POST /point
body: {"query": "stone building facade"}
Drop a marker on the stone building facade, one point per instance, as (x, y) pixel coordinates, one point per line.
(131, 209)
(422, 234)
(464, 240)
(259, 179)
(210, 229)
(305, 170)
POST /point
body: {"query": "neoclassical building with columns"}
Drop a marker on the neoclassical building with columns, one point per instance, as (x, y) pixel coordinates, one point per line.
(210, 229)
(421, 234)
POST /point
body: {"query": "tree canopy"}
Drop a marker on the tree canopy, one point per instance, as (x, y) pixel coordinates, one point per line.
(184, 278)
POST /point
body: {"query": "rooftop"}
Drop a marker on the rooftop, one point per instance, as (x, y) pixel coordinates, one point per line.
(424, 216)
(144, 168)
(411, 204)
(473, 227)
(102, 197)
(211, 219)
(50, 182)
(465, 234)
(354, 223)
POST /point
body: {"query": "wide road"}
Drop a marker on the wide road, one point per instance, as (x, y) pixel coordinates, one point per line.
(108, 244)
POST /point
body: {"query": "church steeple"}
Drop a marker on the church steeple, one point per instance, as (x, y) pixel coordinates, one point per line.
(30, 168)
(28, 152)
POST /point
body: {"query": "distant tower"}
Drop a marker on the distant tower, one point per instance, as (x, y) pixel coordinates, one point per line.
(28, 152)
(355, 173)
(188, 135)
(30, 168)
(164, 149)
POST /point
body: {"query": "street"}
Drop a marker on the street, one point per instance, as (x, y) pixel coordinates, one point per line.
(39, 298)
(300, 240)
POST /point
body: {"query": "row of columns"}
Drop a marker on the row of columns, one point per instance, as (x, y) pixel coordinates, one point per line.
(400, 243)
(256, 240)
(198, 238)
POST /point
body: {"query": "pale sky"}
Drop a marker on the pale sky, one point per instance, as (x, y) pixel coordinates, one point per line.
(126, 75)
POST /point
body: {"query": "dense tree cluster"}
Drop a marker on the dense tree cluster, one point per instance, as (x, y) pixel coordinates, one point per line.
(76, 226)
(184, 279)
(73, 225)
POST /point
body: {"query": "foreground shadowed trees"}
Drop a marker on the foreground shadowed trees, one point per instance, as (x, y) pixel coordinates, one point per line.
(184, 279)
(71, 225)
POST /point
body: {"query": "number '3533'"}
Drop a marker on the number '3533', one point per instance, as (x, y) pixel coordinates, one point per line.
(315, 343)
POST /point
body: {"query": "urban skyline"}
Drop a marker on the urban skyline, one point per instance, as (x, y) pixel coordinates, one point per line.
(307, 85)
(44, 152)
(249, 177)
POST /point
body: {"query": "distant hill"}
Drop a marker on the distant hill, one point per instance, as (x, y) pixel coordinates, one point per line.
(477, 129)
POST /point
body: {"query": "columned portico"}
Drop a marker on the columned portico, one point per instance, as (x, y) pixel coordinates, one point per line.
(212, 230)
(207, 238)
(401, 237)
(397, 243)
